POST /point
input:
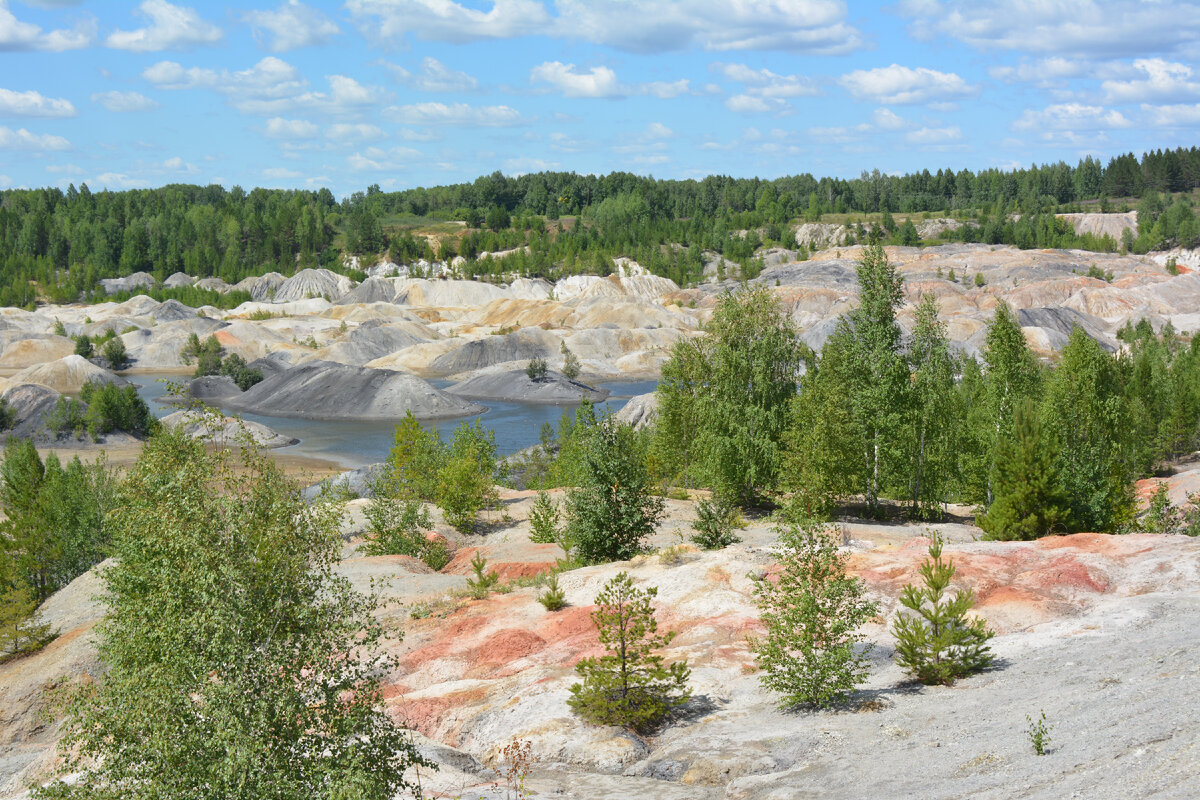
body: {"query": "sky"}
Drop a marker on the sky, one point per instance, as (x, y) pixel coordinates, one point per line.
(404, 93)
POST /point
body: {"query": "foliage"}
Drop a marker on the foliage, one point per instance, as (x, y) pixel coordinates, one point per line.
(83, 346)
(21, 630)
(1038, 733)
(543, 519)
(412, 465)
(481, 585)
(1030, 500)
(115, 408)
(552, 597)
(234, 367)
(938, 643)
(8, 415)
(630, 686)
(570, 369)
(67, 417)
(466, 480)
(934, 430)
(239, 664)
(723, 400)
(536, 369)
(811, 653)
(716, 519)
(397, 526)
(611, 512)
(115, 354)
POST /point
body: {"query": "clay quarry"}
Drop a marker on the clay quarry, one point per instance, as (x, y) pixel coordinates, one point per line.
(1097, 631)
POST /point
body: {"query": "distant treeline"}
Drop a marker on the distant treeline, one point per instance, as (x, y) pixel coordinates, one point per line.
(57, 245)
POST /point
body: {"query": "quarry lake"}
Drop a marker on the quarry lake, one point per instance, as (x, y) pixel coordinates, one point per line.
(358, 443)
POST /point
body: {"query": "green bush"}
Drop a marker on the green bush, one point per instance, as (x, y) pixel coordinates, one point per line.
(83, 346)
(552, 598)
(537, 368)
(570, 368)
(466, 480)
(482, 584)
(543, 520)
(811, 652)
(397, 527)
(630, 686)
(112, 408)
(612, 511)
(716, 519)
(938, 643)
(114, 353)
(67, 417)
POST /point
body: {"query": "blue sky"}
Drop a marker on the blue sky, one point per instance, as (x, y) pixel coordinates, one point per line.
(421, 92)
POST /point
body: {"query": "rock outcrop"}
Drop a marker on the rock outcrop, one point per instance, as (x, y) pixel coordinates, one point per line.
(226, 431)
(517, 387)
(67, 375)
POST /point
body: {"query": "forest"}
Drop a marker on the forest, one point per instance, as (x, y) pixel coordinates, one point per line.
(56, 246)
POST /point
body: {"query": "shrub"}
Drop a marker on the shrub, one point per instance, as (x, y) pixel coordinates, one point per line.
(481, 585)
(8, 415)
(395, 527)
(570, 368)
(67, 417)
(83, 346)
(466, 481)
(810, 653)
(630, 686)
(938, 643)
(234, 367)
(715, 520)
(536, 370)
(114, 353)
(21, 629)
(1038, 733)
(612, 511)
(543, 520)
(113, 408)
(552, 598)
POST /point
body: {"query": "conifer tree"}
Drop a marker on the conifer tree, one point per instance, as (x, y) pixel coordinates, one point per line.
(1029, 497)
(938, 643)
(630, 686)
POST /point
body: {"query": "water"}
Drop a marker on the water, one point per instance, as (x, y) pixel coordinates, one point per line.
(357, 443)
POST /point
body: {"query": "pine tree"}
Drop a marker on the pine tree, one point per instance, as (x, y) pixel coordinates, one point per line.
(543, 520)
(630, 686)
(810, 653)
(1029, 497)
(938, 643)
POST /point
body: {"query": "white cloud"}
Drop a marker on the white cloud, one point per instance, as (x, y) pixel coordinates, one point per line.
(177, 164)
(523, 165)
(763, 90)
(1156, 80)
(1067, 122)
(1173, 116)
(454, 114)
(280, 173)
(272, 86)
(171, 28)
(65, 169)
(435, 77)
(5, 182)
(897, 85)
(934, 136)
(377, 159)
(423, 135)
(350, 132)
(293, 25)
(1089, 29)
(655, 26)
(280, 128)
(656, 130)
(665, 90)
(1044, 73)
(596, 82)
(446, 20)
(123, 102)
(118, 180)
(33, 104)
(16, 36)
(21, 139)
(750, 104)
(887, 120)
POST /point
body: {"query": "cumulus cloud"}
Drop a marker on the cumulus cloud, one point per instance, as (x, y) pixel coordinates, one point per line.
(171, 28)
(377, 159)
(596, 82)
(898, 85)
(1089, 29)
(124, 102)
(33, 104)
(21, 139)
(934, 136)
(446, 20)
(1179, 115)
(434, 76)
(280, 128)
(352, 132)
(654, 26)
(665, 90)
(888, 120)
(272, 86)
(764, 90)
(177, 164)
(17, 36)
(1044, 72)
(1156, 80)
(1068, 121)
(292, 25)
(454, 114)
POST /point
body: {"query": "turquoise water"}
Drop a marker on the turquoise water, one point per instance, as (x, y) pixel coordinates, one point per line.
(355, 444)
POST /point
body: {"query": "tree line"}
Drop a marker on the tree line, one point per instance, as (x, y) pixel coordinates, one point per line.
(57, 245)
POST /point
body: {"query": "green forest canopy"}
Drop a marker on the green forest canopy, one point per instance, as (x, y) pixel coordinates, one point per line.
(56, 246)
